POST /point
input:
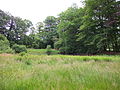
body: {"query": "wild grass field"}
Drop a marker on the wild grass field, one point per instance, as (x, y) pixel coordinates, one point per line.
(59, 72)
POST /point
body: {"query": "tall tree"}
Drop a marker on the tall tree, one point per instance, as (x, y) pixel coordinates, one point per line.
(100, 27)
(69, 22)
(21, 28)
(50, 30)
(14, 28)
(6, 22)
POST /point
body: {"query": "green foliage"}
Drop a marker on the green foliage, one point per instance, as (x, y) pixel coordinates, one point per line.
(15, 28)
(50, 30)
(99, 31)
(4, 21)
(28, 62)
(92, 29)
(46, 33)
(4, 45)
(88, 30)
(22, 27)
(48, 50)
(38, 43)
(70, 20)
(19, 48)
(58, 44)
(22, 53)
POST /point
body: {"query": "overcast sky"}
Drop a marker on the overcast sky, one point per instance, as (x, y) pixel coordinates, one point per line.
(36, 10)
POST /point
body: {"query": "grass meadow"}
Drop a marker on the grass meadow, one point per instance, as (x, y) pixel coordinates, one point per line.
(59, 72)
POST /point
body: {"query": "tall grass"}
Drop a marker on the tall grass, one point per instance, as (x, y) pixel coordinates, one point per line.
(59, 72)
(41, 51)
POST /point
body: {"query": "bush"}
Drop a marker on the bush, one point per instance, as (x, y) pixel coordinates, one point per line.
(19, 48)
(28, 62)
(4, 45)
(22, 54)
(48, 50)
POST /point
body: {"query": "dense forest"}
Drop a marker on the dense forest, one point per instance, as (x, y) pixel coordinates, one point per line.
(91, 29)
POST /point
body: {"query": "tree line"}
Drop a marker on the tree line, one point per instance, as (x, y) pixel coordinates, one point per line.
(92, 29)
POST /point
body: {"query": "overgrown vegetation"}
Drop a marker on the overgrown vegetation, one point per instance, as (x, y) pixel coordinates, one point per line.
(30, 72)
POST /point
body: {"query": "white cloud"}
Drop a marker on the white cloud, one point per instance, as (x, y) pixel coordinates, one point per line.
(36, 10)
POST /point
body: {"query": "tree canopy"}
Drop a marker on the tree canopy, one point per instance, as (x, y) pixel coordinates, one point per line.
(92, 29)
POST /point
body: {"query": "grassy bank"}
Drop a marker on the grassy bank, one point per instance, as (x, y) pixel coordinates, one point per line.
(59, 72)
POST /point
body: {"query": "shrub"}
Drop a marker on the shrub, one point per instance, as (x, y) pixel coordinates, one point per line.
(4, 45)
(48, 50)
(19, 48)
(28, 62)
(22, 54)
